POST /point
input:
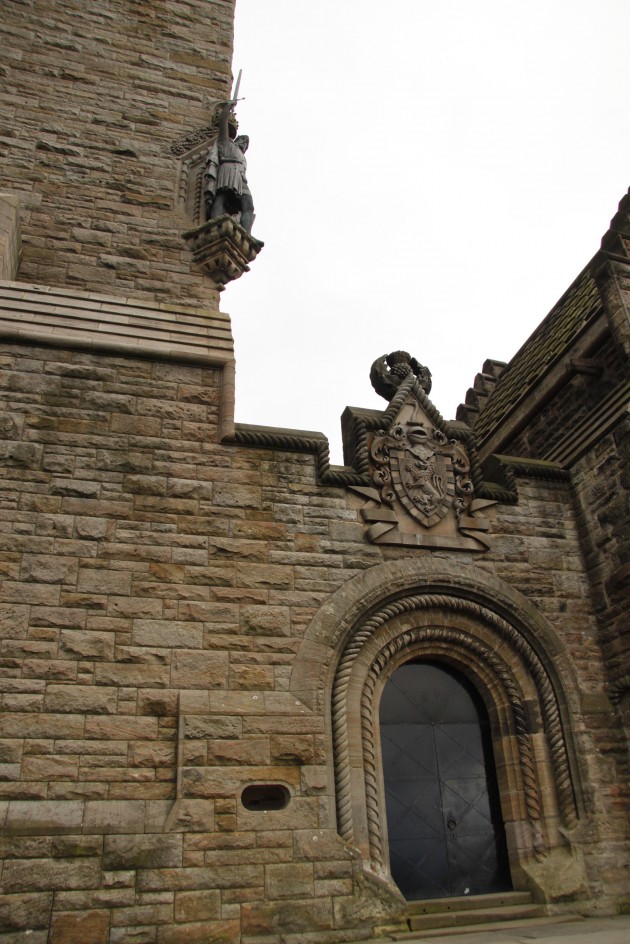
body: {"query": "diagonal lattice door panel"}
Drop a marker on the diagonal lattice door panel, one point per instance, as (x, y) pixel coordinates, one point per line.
(443, 817)
(414, 809)
(408, 751)
(460, 749)
(421, 864)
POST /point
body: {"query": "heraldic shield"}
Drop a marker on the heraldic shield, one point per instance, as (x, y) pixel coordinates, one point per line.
(426, 472)
(421, 490)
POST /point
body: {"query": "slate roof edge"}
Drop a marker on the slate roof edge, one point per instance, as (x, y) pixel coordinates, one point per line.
(592, 267)
(606, 255)
(540, 327)
(545, 386)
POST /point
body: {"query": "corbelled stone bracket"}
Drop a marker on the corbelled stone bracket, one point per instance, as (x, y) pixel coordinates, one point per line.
(222, 248)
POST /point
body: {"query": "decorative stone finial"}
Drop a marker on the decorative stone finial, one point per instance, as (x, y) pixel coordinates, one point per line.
(389, 371)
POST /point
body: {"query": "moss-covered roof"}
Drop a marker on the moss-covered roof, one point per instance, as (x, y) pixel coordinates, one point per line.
(575, 310)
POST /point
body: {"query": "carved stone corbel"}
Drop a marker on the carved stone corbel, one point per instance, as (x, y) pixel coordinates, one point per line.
(223, 249)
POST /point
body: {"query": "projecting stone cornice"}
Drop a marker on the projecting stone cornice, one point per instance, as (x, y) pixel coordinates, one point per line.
(62, 317)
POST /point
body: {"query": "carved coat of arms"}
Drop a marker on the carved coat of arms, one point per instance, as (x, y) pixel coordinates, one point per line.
(422, 492)
(425, 471)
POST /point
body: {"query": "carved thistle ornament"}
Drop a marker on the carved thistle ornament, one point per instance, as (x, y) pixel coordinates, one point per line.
(422, 492)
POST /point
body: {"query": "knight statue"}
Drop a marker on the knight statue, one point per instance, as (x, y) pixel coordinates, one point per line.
(225, 176)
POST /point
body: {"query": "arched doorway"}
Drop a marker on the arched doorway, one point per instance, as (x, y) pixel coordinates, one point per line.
(476, 624)
(445, 831)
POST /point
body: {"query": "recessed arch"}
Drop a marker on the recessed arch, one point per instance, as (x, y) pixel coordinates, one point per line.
(336, 621)
(478, 624)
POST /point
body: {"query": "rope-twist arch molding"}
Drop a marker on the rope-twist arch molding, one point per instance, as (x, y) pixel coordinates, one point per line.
(619, 689)
(358, 473)
(409, 640)
(548, 702)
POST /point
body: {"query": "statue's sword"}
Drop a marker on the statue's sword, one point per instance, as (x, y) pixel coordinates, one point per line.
(237, 86)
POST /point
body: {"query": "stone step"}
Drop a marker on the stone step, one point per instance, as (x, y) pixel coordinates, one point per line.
(465, 902)
(521, 924)
(469, 917)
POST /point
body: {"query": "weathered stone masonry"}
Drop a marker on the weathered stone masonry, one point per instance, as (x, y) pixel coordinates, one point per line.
(157, 585)
(190, 607)
(94, 96)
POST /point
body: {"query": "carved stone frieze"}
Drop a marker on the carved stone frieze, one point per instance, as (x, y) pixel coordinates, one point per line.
(183, 145)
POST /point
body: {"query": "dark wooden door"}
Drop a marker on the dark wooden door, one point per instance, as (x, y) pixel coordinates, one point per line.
(446, 835)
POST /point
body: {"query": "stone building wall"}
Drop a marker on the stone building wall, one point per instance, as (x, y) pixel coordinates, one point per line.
(94, 95)
(551, 568)
(602, 487)
(585, 425)
(157, 592)
(602, 480)
(10, 243)
(189, 608)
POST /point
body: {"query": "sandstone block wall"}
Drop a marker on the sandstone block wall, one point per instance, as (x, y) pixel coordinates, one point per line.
(584, 425)
(602, 484)
(156, 585)
(93, 96)
(150, 612)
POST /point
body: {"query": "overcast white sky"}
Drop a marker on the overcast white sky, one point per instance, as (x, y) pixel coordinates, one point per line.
(428, 175)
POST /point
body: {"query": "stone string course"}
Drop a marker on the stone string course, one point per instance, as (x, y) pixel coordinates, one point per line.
(86, 319)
